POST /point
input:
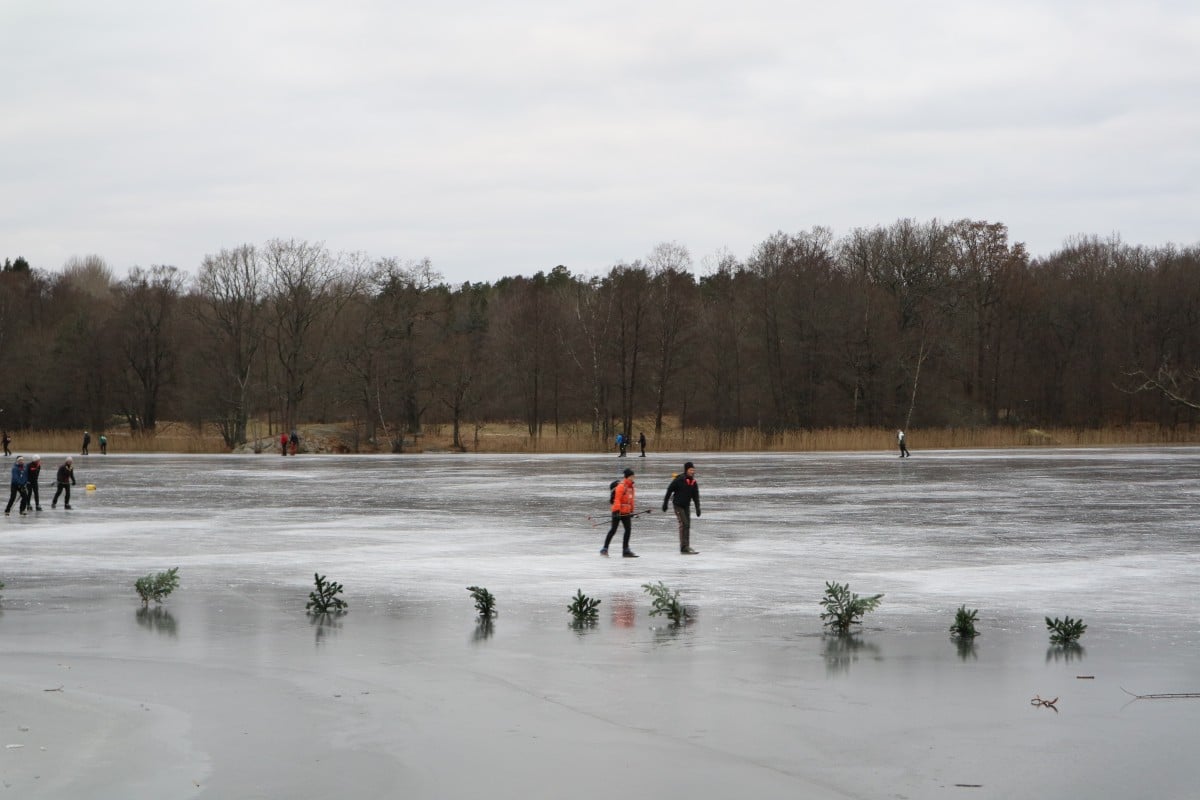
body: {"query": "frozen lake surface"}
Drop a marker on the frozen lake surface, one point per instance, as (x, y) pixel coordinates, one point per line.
(229, 690)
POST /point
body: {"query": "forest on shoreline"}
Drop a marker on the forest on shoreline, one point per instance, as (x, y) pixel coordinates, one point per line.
(918, 325)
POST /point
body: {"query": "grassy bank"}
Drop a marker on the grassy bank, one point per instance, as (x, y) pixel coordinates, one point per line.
(513, 438)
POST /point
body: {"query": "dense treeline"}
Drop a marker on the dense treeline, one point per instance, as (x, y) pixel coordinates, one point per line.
(912, 324)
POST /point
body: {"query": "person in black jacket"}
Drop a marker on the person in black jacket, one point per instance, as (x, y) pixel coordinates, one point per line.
(685, 492)
(65, 479)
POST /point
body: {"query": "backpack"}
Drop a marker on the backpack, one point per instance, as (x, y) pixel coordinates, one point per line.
(612, 492)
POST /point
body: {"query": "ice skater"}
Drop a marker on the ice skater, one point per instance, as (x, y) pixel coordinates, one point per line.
(19, 487)
(642, 443)
(7, 442)
(87, 440)
(622, 514)
(683, 493)
(31, 483)
(65, 478)
(903, 447)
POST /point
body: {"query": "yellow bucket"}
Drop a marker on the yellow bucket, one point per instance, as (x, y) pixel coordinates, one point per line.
(91, 487)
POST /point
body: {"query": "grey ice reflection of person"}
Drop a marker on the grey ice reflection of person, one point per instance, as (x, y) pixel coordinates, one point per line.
(903, 447)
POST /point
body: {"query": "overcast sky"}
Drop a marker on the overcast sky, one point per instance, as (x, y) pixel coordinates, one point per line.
(503, 138)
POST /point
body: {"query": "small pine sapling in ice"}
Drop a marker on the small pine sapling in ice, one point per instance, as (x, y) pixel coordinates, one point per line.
(1065, 631)
(324, 599)
(843, 608)
(964, 623)
(665, 602)
(584, 609)
(157, 586)
(485, 602)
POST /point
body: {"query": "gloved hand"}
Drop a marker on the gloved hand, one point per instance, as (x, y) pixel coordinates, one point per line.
(664, 508)
(697, 512)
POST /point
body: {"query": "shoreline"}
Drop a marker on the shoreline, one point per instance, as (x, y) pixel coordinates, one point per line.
(511, 439)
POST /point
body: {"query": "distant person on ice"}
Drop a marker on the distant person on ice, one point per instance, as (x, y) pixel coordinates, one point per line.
(283, 444)
(103, 445)
(7, 442)
(642, 443)
(65, 480)
(295, 442)
(683, 493)
(87, 440)
(622, 514)
(32, 472)
(19, 486)
(622, 443)
(903, 447)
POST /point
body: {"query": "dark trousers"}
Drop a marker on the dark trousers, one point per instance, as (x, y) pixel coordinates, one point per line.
(35, 499)
(903, 449)
(619, 519)
(683, 514)
(24, 494)
(62, 487)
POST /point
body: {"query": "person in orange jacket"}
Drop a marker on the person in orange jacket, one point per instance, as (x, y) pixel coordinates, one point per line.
(622, 514)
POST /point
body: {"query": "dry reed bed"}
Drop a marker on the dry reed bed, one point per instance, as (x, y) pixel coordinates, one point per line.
(512, 438)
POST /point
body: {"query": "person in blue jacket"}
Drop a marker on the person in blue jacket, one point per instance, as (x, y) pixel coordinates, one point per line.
(19, 486)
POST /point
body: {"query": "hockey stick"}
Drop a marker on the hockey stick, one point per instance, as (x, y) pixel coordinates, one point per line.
(599, 520)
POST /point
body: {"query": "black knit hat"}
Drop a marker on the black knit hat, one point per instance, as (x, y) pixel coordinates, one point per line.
(628, 473)
(688, 465)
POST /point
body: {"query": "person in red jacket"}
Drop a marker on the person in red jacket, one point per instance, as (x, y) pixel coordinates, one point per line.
(33, 472)
(283, 443)
(622, 514)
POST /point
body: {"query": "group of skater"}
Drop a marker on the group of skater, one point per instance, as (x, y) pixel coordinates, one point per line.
(682, 493)
(289, 443)
(623, 444)
(87, 443)
(24, 485)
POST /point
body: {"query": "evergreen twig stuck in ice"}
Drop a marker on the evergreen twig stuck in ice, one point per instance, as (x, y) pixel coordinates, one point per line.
(157, 586)
(843, 608)
(324, 599)
(583, 608)
(485, 601)
(665, 602)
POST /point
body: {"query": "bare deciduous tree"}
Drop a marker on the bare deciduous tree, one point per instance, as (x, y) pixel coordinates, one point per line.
(231, 294)
(148, 340)
(306, 289)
